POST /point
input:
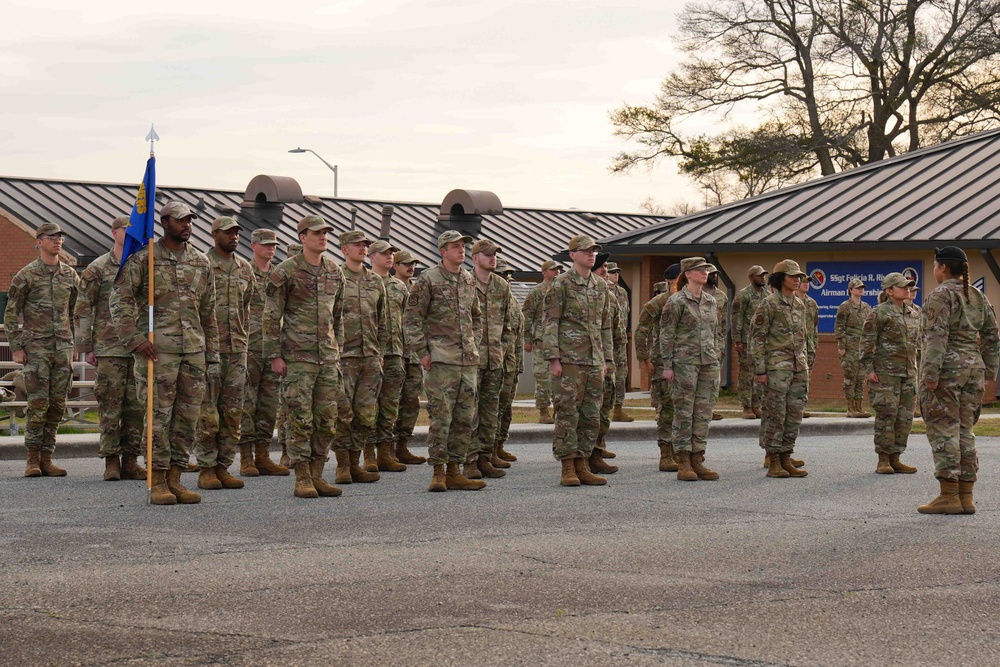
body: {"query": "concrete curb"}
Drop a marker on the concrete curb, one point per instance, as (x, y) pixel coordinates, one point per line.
(84, 445)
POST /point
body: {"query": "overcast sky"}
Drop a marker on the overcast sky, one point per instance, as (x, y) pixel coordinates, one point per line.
(409, 99)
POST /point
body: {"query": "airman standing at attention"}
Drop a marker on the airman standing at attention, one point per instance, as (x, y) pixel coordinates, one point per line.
(647, 351)
(187, 342)
(442, 326)
(851, 316)
(577, 342)
(916, 312)
(513, 365)
(534, 323)
(812, 324)
(722, 305)
(281, 419)
(621, 353)
(744, 304)
(405, 264)
(618, 335)
(39, 325)
(118, 405)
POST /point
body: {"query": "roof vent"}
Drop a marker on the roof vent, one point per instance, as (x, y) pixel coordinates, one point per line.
(312, 199)
(590, 217)
(460, 204)
(264, 190)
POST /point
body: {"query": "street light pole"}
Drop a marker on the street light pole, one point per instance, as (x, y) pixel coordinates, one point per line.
(332, 167)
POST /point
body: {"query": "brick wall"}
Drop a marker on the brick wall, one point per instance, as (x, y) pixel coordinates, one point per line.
(16, 250)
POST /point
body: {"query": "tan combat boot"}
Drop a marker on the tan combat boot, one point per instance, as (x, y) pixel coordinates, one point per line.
(183, 496)
(852, 413)
(264, 464)
(437, 481)
(774, 467)
(227, 480)
(758, 412)
(667, 462)
(48, 468)
(605, 452)
(343, 475)
(786, 463)
(496, 460)
(404, 455)
(471, 471)
(31, 468)
(454, 480)
(716, 416)
(569, 477)
(247, 466)
(285, 461)
(384, 460)
(303, 481)
(159, 494)
(504, 455)
(371, 460)
(583, 473)
(112, 469)
(618, 414)
(190, 467)
(899, 466)
(208, 480)
(883, 467)
(685, 472)
(862, 410)
(545, 416)
(358, 474)
(947, 501)
(703, 473)
(748, 413)
(322, 487)
(131, 468)
(807, 415)
(596, 464)
(965, 497)
(486, 467)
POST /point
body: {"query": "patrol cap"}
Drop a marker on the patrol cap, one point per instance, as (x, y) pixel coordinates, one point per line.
(896, 279)
(404, 257)
(789, 268)
(950, 252)
(551, 264)
(177, 210)
(672, 272)
(451, 236)
(485, 245)
(503, 267)
(382, 246)
(756, 270)
(48, 229)
(119, 222)
(855, 283)
(582, 242)
(264, 237)
(293, 249)
(313, 223)
(613, 268)
(354, 236)
(691, 263)
(601, 259)
(660, 287)
(223, 223)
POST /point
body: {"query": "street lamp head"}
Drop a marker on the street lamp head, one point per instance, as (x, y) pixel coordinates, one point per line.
(298, 150)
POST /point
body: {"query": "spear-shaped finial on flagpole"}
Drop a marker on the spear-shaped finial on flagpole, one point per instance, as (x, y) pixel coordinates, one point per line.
(151, 137)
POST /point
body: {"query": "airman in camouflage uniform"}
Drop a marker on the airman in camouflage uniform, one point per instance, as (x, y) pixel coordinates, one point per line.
(118, 405)
(261, 396)
(186, 343)
(495, 303)
(281, 419)
(744, 304)
(889, 358)
(812, 323)
(513, 365)
(577, 341)
(782, 351)
(647, 351)
(442, 327)
(303, 324)
(689, 341)
(43, 294)
(596, 461)
(961, 349)
(409, 401)
(621, 349)
(222, 407)
(534, 323)
(722, 306)
(849, 328)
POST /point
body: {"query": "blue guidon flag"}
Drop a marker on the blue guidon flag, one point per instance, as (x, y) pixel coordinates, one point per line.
(141, 221)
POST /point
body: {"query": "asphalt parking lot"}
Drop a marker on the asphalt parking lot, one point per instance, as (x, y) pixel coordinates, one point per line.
(834, 569)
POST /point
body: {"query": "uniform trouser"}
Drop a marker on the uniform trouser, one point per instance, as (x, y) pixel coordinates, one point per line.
(178, 390)
(484, 432)
(607, 402)
(409, 400)
(506, 412)
(577, 397)
(892, 398)
(661, 392)
(393, 377)
(222, 412)
(260, 402)
(48, 376)
(451, 406)
(784, 402)
(621, 374)
(362, 380)
(751, 393)
(950, 413)
(118, 406)
(695, 391)
(318, 410)
(543, 377)
(854, 375)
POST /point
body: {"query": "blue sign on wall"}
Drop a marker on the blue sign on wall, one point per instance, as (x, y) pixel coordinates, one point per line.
(828, 283)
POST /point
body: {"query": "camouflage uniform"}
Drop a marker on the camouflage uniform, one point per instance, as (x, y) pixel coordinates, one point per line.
(647, 348)
(302, 325)
(782, 350)
(961, 349)
(44, 297)
(688, 345)
(849, 329)
(744, 304)
(442, 319)
(222, 406)
(812, 323)
(889, 349)
(262, 392)
(621, 348)
(365, 336)
(186, 339)
(394, 369)
(513, 365)
(722, 310)
(534, 324)
(413, 384)
(121, 414)
(495, 304)
(578, 332)
(619, 343)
